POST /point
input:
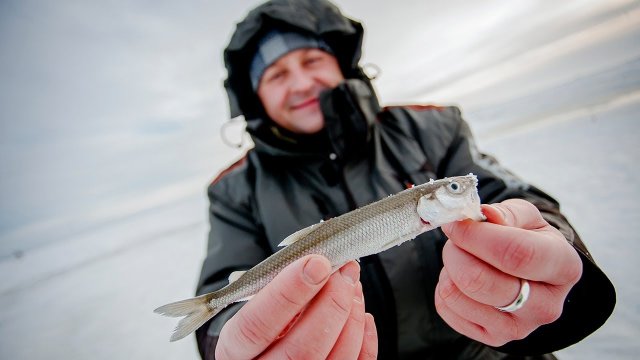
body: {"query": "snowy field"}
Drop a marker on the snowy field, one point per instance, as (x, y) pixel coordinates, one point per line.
(110, 115)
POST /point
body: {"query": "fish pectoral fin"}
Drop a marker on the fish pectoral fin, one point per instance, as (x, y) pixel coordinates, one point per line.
(236, 275)
(298, 235)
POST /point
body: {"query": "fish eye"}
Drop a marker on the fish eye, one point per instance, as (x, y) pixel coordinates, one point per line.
(454, 187)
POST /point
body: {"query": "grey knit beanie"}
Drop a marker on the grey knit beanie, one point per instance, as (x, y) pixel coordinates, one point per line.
(276, 44)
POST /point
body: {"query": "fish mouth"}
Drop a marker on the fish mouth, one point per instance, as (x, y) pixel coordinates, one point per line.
(474, 210)
(433, 212)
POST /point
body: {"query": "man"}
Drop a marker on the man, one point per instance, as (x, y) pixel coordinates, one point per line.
(323, 147)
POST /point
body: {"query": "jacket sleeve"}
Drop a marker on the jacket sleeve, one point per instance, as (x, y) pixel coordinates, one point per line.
(234, 243)
(591, 300)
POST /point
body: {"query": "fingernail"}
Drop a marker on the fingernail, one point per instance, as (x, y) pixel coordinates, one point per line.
(316, 270)
(351, 272)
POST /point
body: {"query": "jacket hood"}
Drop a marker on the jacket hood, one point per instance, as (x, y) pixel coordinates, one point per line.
(317, 18)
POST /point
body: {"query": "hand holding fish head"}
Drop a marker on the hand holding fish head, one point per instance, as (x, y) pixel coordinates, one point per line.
(486, 267)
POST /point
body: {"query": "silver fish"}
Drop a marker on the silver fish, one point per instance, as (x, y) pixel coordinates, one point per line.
(368, 230)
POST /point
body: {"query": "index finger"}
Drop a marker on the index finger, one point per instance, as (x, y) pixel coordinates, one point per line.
(522, 246)
(266, 316)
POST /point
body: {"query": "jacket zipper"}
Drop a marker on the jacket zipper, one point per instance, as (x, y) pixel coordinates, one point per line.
(339, 168)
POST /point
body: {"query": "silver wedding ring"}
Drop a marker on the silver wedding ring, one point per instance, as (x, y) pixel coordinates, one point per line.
(522, 297)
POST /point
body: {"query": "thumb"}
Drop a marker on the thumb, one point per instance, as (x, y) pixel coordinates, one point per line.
(515, 213)
(495, 213)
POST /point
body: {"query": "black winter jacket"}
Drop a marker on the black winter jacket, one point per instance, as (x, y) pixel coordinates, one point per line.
(273, 191)
(287, 182)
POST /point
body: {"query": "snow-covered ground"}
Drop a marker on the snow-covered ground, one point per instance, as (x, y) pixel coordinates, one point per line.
(110, 116)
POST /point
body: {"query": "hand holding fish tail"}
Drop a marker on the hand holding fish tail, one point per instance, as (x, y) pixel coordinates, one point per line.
(282, 320)
(483, 267)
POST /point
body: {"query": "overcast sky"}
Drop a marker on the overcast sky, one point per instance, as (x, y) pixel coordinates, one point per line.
(109, 108)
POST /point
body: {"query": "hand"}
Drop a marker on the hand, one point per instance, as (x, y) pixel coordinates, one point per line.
(304, 313)
(483, 265)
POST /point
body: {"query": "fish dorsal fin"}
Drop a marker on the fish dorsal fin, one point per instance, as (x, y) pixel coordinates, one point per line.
(298, 235)
(236, 275)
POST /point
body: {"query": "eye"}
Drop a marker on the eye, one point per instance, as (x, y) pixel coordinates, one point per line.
(454, 187)
(274, 76)
(312, 59)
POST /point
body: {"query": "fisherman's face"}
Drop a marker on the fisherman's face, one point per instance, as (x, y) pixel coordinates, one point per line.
(289, 88)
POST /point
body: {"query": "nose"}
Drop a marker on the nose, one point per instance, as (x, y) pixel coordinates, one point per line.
(301, 81)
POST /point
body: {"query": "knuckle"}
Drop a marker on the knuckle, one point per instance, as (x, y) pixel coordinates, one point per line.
(473, 281)
(222, 352)
(509, 214)
(295, 351)
(489, 337)
(516, 202)
(510, 328)
(526, 215)
(339, 303)
(517, 254)
(285, 298)
(369, 354)
(508, 331)
(447, 291)
(464, 232)
(548, 314)
(252, 330)
(356, 316)
(440, 306)
(513, 330)
(573, 272)
(494, 340)
(554, 233)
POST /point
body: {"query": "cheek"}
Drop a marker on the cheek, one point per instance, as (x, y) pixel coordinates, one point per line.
(452, 201)
(273, 100)
(334, 79)
(330, 74)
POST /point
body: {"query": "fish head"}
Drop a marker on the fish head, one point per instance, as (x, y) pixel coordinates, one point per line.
(453, 199)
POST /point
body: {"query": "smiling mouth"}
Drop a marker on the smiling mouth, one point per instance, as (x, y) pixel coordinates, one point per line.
(305, 104)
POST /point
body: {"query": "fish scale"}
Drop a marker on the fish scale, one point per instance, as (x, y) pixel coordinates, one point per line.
(368, 230)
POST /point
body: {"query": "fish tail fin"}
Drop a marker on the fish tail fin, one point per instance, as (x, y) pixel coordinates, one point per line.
(196, 312)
